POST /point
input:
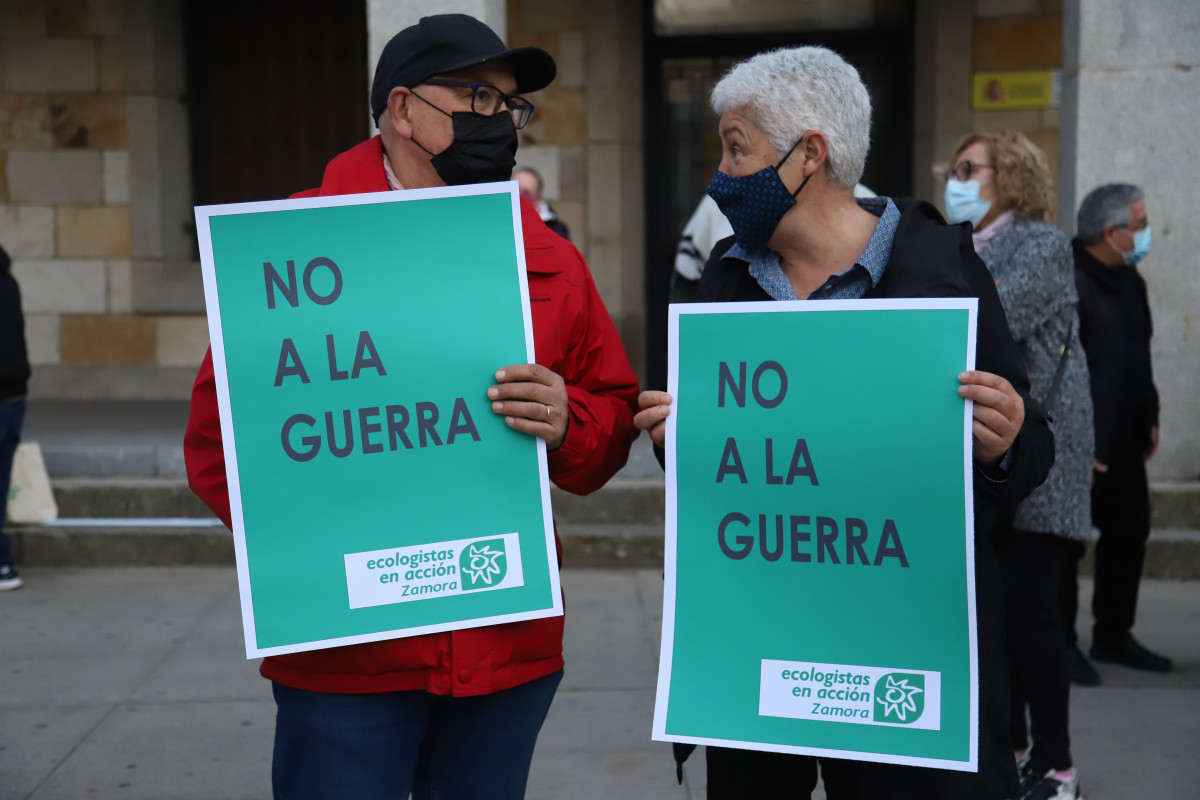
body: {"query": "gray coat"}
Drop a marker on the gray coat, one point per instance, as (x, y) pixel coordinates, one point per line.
(1035, 270)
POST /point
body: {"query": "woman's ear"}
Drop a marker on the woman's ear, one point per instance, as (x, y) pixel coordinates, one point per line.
(398, 112)
(813, 150)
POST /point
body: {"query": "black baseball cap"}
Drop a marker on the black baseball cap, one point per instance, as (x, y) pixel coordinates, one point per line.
(447, 42)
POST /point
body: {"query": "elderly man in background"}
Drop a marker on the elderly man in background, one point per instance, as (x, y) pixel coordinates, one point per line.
(1114, 319)
(795, 127)
(451, 715)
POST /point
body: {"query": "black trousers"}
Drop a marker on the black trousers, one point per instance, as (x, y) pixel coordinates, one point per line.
(1121, 510)
(1068, 590)
(740, 774)
(1031, 564)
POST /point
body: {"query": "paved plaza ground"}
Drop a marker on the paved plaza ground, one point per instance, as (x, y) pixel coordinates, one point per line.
(131, 683)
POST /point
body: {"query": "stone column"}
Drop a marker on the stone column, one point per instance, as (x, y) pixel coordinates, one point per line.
(942, 113)
(1136, 103)
(615, 167)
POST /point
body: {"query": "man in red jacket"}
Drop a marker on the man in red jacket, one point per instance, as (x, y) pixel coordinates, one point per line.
(455, 714)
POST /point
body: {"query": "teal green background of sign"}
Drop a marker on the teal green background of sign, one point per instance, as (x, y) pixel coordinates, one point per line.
(873, 393)
(436, 284)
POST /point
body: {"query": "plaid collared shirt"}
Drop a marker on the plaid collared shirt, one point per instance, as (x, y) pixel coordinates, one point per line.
(849, 284)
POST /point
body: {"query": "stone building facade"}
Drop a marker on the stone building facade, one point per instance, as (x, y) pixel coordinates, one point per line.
(93, 143)
(95, 159)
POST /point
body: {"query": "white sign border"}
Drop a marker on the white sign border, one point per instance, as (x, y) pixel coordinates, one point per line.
(217, 342)
(670, 552)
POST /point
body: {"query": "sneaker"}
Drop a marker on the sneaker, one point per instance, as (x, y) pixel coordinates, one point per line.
(1027, 775)
(1129, 651)
(9, 579)
(1080, 669)
(1051, 788)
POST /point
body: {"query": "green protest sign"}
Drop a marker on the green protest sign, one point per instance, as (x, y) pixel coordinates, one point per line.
(374, 493)
(819, 558)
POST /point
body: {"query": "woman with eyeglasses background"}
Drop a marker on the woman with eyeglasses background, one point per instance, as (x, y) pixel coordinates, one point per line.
(1001, 184)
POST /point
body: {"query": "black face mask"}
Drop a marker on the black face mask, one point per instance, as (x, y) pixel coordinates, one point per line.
(484, 148)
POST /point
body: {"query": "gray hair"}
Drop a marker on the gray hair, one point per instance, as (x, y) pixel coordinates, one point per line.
(792, 91)
(537, 176)
(1105, 206)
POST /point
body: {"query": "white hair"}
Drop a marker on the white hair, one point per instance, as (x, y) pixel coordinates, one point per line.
(792, 91)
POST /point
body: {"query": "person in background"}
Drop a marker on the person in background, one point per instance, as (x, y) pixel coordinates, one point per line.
(14, 382)
(794, 129)
(1114, 317)
(530, 181)
(452, 715)
(1001, 184)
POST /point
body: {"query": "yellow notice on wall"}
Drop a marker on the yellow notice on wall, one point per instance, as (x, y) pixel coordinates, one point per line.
(998, 90)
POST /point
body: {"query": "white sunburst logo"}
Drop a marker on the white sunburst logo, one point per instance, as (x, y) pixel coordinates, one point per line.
(483, 563)
(899, 698)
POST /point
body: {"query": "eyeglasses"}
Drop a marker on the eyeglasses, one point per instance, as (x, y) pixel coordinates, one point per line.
(1141, 226)
(486, 99)
(963, 170)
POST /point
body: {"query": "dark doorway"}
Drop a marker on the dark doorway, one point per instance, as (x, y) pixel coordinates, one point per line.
(275, 90)
(682, 147)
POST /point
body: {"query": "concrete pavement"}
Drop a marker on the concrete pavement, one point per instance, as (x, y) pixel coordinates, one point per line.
(131, 682)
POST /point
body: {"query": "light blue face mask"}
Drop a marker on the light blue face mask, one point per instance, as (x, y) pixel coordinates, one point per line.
(963, 203)
(1141, 246)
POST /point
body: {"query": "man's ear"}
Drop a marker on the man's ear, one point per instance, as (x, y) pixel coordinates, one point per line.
(1107, 236)
(398, 112)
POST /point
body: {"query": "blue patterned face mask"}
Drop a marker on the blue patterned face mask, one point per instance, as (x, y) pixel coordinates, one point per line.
(754, 203)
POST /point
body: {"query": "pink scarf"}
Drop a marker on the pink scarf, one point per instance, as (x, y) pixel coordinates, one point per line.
(981, 238)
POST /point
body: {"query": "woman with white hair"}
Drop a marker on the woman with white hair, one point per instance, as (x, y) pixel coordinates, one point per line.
(795, 127)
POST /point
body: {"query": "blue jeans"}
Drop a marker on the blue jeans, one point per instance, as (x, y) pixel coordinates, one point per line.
(12, 415)
(388, 744)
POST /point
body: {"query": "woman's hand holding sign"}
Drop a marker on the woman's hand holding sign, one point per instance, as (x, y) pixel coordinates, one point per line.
(532, 400)
(998, 414)
(653, 416)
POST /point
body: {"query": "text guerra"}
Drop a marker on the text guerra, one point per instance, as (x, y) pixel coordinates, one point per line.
(735, 536)
(370, 422)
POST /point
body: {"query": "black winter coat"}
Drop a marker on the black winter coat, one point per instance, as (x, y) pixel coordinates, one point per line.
(932, 259)
(14, 358)
(1115, 328)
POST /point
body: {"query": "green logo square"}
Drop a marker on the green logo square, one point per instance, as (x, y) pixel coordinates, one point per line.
(900, 698)
(483, 564)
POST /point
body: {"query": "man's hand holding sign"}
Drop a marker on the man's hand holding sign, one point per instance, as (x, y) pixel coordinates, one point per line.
(533, 400)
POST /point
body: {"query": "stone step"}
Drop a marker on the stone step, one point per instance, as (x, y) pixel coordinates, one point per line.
(1173, 554)
(144, 439)
(633, 501)
(185, 542)
(127, 441)
(1175, 505)
(126, 498)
